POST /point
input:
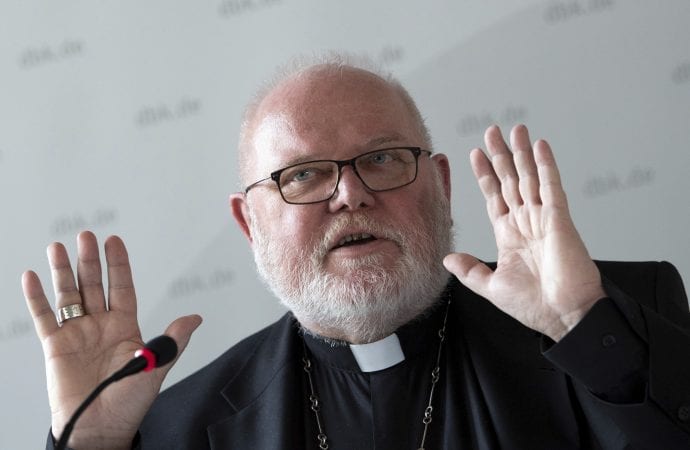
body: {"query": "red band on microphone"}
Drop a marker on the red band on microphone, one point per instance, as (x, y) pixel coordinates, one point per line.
(149, 356)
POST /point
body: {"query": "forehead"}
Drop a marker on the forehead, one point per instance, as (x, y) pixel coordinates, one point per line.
(330, 114)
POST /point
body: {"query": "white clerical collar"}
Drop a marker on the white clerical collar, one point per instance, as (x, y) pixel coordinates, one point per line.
(378, 355)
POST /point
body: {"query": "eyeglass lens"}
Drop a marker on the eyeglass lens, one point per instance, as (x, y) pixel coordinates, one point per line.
(379, 171)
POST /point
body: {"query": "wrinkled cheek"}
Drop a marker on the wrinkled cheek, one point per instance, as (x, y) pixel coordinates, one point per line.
(296, 228)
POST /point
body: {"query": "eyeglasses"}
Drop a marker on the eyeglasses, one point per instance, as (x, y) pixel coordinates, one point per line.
(316, 181)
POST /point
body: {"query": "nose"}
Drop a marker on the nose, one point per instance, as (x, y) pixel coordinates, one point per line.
(351, 193)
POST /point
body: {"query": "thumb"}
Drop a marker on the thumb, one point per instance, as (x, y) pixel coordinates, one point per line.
(470, 271)
(180, 330)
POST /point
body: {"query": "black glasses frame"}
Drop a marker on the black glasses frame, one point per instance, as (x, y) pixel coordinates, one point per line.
(275, 176)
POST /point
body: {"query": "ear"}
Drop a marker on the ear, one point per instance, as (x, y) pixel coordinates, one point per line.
(240, 211)
(443, 168)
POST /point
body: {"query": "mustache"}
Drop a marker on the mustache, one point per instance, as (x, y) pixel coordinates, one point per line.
(358, 221)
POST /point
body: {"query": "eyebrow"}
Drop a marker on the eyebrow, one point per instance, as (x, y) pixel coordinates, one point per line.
(369, 145)
(393, 137)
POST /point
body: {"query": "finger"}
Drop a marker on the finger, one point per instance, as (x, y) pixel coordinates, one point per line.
(43, 316)
(65, 288)
(89, 274)
(121, 295)
(489, 184)
(525, 165)
(181, 331)
(502, 161)
(550, 187)
(470, 271)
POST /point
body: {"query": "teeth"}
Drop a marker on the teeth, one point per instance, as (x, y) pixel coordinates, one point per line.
(354, 237)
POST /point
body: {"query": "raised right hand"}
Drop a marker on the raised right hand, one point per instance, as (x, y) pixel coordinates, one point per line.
(85, 350)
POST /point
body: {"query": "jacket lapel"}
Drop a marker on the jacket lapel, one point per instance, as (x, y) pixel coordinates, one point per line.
(266, 395)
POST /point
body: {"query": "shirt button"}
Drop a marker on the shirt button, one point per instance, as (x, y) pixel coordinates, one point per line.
(608, 340)
(684, 413)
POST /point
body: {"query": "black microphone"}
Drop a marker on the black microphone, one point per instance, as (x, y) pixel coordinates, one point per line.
(157, 352)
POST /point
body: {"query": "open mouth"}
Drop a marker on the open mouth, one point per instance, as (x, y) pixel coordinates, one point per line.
(354, 239)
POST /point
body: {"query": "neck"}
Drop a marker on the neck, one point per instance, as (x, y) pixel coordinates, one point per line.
(344, 337)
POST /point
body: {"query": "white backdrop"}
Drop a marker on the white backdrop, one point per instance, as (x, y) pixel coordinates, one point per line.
(122, 117)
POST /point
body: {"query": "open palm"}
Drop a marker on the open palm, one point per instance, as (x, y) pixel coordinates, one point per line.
(85, 350)
(544, 277)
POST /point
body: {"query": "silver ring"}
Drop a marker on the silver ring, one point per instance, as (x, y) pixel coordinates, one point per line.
(70, 312)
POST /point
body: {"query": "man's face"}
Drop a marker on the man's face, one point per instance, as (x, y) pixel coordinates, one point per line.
(362, 289)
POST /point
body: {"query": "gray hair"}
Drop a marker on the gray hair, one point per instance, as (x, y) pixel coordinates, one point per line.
(305, 64)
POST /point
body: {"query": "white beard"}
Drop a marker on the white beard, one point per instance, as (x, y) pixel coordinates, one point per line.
(368, 302)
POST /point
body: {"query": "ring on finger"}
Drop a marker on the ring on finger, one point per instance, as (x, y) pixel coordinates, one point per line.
(70, 312)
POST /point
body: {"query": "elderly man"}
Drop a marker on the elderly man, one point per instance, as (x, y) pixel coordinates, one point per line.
(347, 211)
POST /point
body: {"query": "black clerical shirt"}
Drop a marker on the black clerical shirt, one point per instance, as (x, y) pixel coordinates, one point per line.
(381, 409)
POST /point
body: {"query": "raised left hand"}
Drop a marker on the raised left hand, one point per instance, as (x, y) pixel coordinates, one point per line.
(544, 277)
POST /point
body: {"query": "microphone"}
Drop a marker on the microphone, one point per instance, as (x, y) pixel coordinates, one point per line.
(157, 352)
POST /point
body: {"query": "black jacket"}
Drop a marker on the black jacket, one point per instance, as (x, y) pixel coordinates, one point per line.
(252, 396)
